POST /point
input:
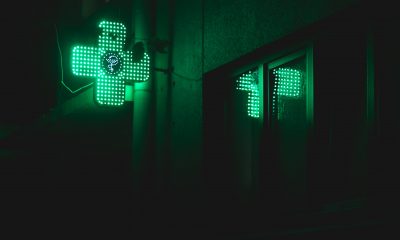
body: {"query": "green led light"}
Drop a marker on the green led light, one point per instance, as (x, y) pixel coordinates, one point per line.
(249, 82)
(110, 64)
(287, 82)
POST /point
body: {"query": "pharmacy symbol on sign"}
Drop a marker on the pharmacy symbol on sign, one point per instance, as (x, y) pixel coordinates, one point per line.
(112, 60)
(110, 64)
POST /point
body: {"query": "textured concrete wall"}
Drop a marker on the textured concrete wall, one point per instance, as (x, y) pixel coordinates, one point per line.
(234, 28)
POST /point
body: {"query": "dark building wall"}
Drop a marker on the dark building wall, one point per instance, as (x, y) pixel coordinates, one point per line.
(27, 89)
(209, 34)
(343, 166)
(235, 28)
(57, 166)
(384, 181)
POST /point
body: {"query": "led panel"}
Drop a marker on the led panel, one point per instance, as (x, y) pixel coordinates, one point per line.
(249, 82)
(85, 61)
(138, 72)
(110, 64)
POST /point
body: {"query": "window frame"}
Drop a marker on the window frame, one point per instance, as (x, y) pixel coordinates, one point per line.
(275, 59)
(307, 52)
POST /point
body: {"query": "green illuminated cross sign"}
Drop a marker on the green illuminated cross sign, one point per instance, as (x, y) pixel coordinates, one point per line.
(109, 64)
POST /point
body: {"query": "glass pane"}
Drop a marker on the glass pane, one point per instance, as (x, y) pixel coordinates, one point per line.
(288, 92)
(244, 128)
(249, 82)
(289, 124)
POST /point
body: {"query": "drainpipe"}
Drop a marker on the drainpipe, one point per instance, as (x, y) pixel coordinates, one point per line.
(142, 140)
(162, 90)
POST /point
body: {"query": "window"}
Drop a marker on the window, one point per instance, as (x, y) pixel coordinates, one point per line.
(284, 84)
(291, 88)
(249, 82)
(290, 115)
(273, 94)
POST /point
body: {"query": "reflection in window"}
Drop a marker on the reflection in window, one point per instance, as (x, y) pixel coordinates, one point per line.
(288, 98)
(249, 82)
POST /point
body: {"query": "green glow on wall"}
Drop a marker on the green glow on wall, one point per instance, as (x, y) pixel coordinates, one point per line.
(110, 64)
(249, 82)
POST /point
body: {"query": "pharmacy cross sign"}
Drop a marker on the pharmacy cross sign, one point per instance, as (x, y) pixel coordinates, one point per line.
(109, 64)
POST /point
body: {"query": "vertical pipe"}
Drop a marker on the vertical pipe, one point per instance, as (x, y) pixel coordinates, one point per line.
(162, 89)
(142, 99)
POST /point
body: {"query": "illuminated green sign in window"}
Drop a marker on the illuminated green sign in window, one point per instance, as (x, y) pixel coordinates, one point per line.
(288, 91)
(249, 82)
(287, 82)
(109, 64)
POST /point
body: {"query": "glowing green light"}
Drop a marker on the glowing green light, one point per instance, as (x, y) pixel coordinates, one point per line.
(249, 82)
(110, 64)
(287, 82)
